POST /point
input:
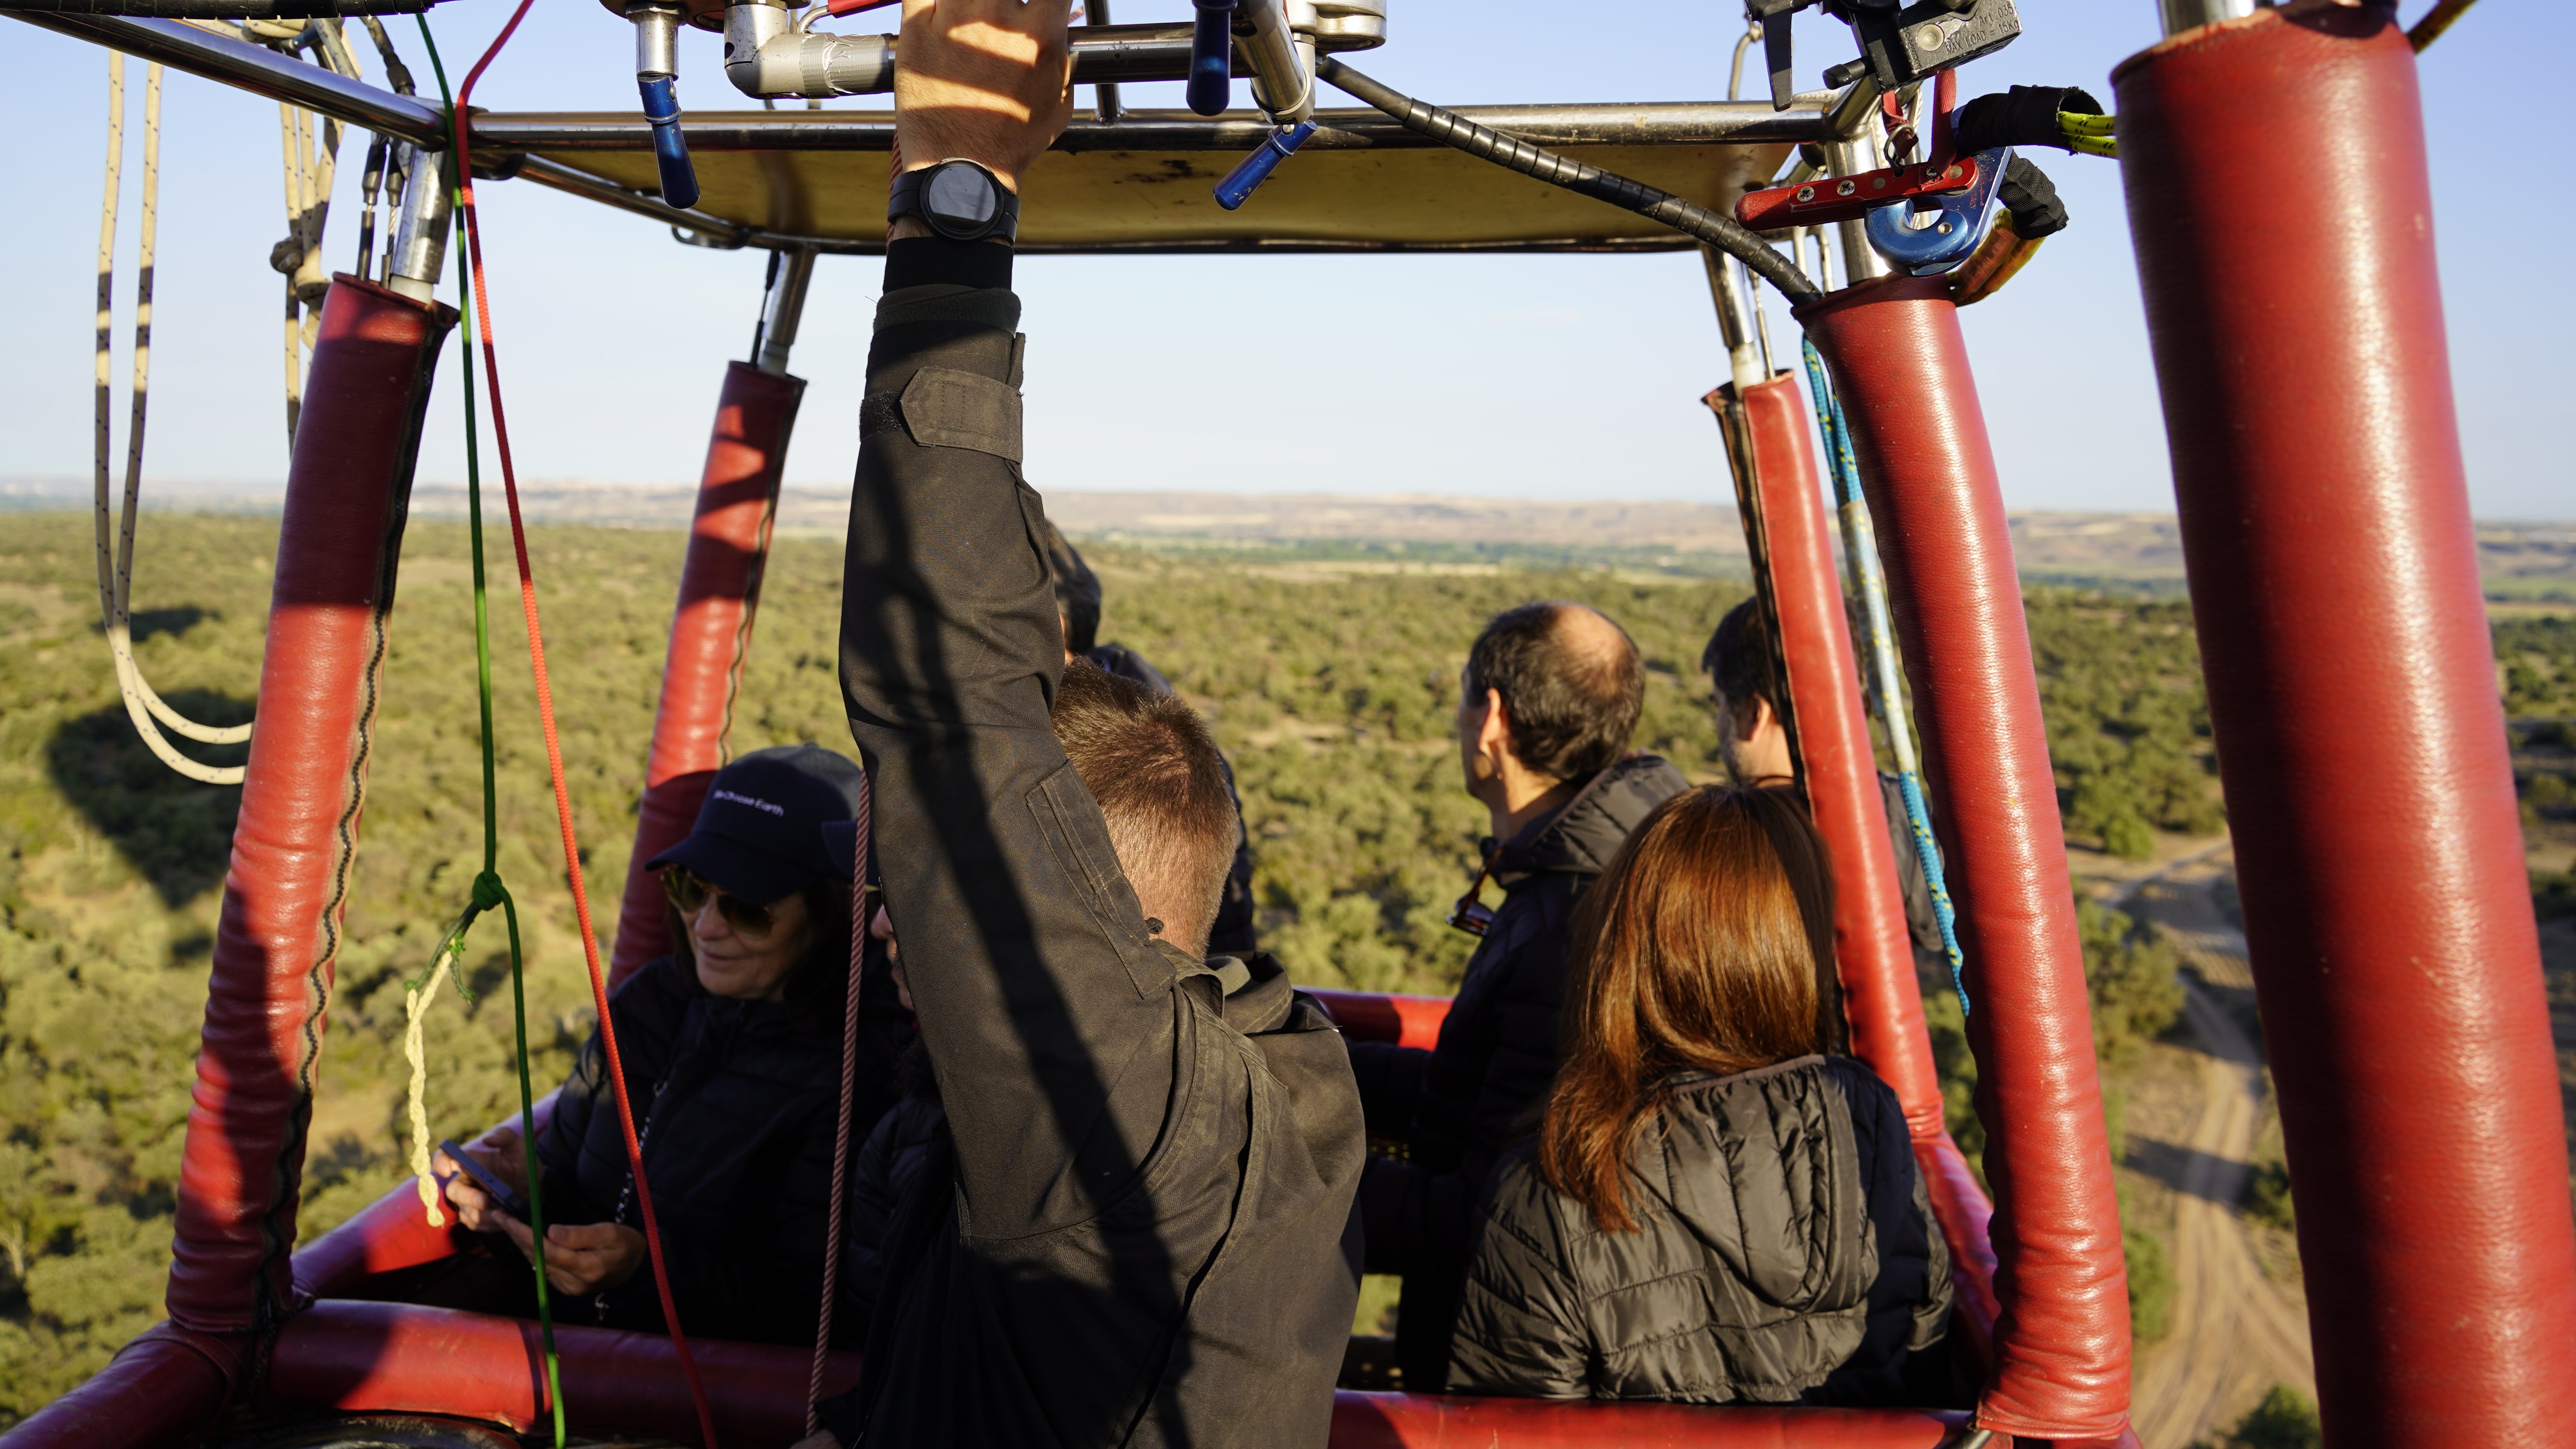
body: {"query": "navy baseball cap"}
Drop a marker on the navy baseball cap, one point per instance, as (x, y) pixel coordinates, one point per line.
(759, 836)
(841, 847)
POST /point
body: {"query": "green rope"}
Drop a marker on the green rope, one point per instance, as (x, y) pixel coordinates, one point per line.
(488, 889)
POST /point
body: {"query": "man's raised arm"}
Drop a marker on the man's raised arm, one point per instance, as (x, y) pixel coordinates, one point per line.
(1046, 1009)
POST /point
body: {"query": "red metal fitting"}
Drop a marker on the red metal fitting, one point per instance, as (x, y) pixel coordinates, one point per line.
(1829, 199)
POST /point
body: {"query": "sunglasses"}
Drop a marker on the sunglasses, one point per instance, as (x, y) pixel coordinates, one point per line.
(690, 892)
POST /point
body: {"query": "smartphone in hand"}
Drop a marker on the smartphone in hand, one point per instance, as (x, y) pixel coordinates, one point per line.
(503, 1196)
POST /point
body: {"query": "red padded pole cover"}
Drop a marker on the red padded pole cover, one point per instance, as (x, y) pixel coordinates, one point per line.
(2325, 522)
(710, 632)
(1455, 1421)
(2062, 1333)
(404, 1358)
(1412, 1021)
(160, 1390)
(297, 835)
(1839, 767)
(392, 1357)
(1966, 1218)
(388, 1234)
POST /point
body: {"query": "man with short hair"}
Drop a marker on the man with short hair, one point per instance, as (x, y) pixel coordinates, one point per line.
(1548, 700)
(1133, 1230)
(1754, 744)
(1078, 604)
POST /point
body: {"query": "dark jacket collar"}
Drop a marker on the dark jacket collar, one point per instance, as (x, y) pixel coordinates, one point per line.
(1582, 837)
(1253, 993)
(790, 1017)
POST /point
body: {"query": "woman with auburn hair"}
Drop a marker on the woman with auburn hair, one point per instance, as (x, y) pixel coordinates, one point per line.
(1712, 1212)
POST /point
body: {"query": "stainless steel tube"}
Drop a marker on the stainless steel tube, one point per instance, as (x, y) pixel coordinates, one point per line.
(1658, 123)
(767, 56)
(255, 69)
(712, 231)
(1734, 318)
(1863, 152)
(657, 38)
(1283, 80)
(420, 236)
(1854, 110)
(2182, 15)
(783, 308)
(1104, 94)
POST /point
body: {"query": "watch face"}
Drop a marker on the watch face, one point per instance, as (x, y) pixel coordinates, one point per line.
(959, 198)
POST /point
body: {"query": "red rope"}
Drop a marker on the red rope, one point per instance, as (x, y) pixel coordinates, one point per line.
(849, 1095)
(554, 747)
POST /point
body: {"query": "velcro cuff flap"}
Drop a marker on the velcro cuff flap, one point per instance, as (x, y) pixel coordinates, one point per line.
(947, 408)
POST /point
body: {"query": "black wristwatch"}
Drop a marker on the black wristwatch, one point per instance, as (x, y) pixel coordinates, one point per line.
(957, 199)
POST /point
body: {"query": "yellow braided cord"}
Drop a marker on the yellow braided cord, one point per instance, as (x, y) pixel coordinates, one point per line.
(2435, 21)
(415, 1005)
(2090, 135)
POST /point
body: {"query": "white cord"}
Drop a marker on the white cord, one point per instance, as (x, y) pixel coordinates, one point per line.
(286, 128)
(309, 172)
(116, 575)
(415, 1006)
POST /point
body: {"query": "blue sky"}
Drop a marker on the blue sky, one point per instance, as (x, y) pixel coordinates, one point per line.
(1531, 377)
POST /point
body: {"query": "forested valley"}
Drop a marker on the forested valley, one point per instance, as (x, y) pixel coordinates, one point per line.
(1331, 686)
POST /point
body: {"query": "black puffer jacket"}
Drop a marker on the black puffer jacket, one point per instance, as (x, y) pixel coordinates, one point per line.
(736, 1102)
(886, 1166)
(1785, 1252)
(1459, 1105)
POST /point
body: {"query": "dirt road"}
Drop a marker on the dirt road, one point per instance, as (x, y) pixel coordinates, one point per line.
(2234, 1332)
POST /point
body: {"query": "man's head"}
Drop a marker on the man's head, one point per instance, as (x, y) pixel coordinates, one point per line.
(1749, 734)
(1148, 760)
(1552, 689)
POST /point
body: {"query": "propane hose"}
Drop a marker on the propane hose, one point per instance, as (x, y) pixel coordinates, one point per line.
(1720, 231)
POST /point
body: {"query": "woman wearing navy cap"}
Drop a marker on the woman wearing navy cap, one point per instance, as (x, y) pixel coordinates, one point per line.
(731, 1048)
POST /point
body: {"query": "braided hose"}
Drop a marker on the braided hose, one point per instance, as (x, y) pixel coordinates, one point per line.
(1687, 217)
(849, 1098)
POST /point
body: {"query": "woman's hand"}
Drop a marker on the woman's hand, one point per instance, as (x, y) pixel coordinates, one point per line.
(988, 80)
(581, 1258)
(499, 1152)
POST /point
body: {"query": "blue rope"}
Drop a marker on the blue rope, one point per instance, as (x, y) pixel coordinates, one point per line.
(1860, 541)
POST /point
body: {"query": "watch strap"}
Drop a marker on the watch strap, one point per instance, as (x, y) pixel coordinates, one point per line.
(906, 197)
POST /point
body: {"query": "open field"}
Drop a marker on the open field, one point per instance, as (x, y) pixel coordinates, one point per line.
(2527, 566)
(1328, 669)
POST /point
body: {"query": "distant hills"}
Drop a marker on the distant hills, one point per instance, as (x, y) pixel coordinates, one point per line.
(2521, 562)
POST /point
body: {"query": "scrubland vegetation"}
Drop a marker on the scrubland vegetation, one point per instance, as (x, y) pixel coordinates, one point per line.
(2286, 1419)
(1332, 690)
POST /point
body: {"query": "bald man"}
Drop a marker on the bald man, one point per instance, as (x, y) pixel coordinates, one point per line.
(1547, 703)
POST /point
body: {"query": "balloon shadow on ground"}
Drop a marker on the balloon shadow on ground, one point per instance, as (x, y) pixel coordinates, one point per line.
(175, 832)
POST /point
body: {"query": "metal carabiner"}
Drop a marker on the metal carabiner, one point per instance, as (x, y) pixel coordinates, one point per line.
(1929, 250)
